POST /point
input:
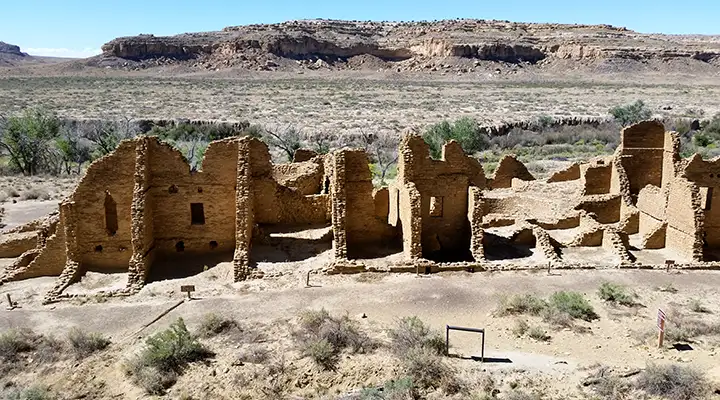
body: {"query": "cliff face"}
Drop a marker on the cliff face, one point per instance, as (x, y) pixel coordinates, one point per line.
(11, 50)
(411, 45)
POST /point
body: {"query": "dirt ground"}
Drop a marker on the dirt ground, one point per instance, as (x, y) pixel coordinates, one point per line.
(555, 368)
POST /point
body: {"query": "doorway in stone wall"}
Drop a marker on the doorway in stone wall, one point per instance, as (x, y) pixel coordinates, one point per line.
(277, 247)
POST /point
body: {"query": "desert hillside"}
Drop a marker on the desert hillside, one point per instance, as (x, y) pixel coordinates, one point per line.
(412, 46)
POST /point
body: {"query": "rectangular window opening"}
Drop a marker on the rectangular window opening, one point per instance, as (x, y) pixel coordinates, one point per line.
(706, 199)
(436, 206)
(197, 213)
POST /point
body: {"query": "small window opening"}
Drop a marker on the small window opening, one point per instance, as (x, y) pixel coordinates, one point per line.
(712, 175)
(180, 246)
(436, 206)
(199, 190)
(98, 248)
(111, 217)
(213, 245)
(326, 188)
(706, 200)
(172, 189)
(428, 270)
(197, 214)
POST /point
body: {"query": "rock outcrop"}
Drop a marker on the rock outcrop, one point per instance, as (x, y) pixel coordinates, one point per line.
(405, 45)
(11, 49)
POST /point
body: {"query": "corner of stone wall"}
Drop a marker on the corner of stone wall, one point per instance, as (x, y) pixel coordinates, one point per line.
(655, 238)
(618, 243)
(141, 217)
(475, 216)
(624, 181)
(544, 242)
(413, 245)
(244, 218)
(72, 270)
(339, 204)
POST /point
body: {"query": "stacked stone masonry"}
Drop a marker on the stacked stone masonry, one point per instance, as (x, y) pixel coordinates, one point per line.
(141, 210)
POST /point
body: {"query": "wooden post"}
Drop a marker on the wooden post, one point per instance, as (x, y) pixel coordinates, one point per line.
(10, 303)
(661, 334)
(549, 266)
(307, 280)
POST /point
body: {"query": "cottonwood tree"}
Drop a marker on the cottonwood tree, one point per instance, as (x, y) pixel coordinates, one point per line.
(28, 138)
(107, 133)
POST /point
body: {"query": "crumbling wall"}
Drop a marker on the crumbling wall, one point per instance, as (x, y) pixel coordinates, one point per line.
(570, 173)
(595, 177)
(685, 220)
(100, 210)
(606, 208)
(509, 168)
(642, 154)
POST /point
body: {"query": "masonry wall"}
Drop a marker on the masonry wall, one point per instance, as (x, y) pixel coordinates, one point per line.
(173, 188)
(98, 247)
(643, 150)
(684, 218)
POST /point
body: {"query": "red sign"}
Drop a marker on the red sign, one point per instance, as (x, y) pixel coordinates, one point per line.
(661, 320)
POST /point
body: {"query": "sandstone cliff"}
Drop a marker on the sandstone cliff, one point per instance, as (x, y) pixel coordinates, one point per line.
(404, 45)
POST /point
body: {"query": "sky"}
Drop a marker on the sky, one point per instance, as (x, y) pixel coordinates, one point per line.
(78, 28)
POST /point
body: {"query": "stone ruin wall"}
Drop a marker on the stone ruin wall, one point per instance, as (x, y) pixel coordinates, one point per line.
(142, 206)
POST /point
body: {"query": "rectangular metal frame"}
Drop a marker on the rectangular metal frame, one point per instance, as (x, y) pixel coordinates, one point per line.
(448, 328)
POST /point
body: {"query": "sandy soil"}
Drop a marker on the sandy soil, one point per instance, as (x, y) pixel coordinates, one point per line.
(463, 299)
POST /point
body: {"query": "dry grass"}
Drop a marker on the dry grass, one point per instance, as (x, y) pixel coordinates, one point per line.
(673, 382)
(84, 344)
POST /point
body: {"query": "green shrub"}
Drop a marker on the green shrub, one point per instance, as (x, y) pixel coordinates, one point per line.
(522, 304)
(322, 352)
(680, 328)
(673, 382)
(31, 393)
(322, 337)
(573, 304)
(213, 325)
(615, 293)
(399, 389)
(465, 131)
(411, 332)
(84, 344)
(631, 113)
(165, 356)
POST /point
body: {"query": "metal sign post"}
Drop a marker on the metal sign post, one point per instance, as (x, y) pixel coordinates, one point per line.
(188, 289)
(11, 305)
(661, 327)
(669, 264)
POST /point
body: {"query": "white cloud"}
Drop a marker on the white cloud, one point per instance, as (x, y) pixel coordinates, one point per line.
(62, 52)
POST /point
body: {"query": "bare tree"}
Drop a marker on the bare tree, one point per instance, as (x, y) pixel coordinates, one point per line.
(382, 148)
(287, 138)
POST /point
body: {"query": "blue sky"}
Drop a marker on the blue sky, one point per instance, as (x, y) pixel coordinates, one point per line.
(80, 27)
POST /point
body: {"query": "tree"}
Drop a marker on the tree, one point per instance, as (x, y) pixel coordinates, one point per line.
(28, 137)
(382, 148)
(73, 151)
(465, 131)
(631, 113)
(287, 138)
(106, 134)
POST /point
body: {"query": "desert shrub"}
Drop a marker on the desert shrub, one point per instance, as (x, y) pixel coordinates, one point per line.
(668, 288)
(31, 393)
(322, 352)
(165, 356)
(465, 131)
(673, 382)
(213, 325)
(520, 395)
(615, 293)
(573, 304)
(697, 306)
(538, 334)
(631, 113)
(253, 355)
(557, 318)
(322, 337)
(397, 389)
(427, 368)
(83, 344)
(411, 332)
(35, 193)
(680, 328)
(16, 341)
(521, 327)
(28, 139)
(521, 304)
